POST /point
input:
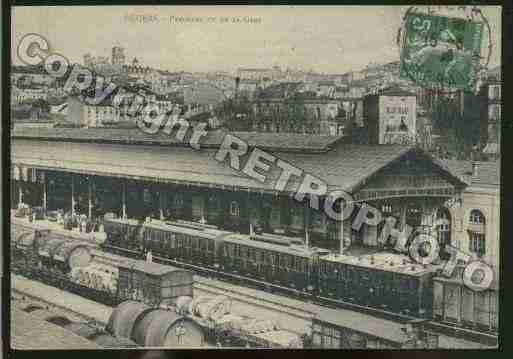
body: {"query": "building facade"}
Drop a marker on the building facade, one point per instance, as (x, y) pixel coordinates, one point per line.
(391, 117)
(118, 56)
(491, 94)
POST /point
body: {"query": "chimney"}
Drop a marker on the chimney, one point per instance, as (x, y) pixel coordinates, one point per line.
(237, 82)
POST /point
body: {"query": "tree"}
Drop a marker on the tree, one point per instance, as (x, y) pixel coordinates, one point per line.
(236, 114)
(461, 129)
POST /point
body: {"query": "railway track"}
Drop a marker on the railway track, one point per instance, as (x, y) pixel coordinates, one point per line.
(437, 327)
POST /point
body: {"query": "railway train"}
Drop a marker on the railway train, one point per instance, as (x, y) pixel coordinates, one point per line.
(376, 282)
(81, 268)
(386, 284)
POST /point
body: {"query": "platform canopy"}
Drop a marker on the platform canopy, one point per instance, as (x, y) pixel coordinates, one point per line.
(373, 171)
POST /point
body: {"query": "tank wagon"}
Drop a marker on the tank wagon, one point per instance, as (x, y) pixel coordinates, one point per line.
(154, 327)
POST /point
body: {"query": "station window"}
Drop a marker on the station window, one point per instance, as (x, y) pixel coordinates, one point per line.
(443, 226)
(476, 217)
(477, 243)
(386, 208)
(234, 208)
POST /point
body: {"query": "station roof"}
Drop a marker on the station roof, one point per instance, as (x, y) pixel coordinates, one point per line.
(342, 168)
(269, 141)
(29, 332)
(130, 153)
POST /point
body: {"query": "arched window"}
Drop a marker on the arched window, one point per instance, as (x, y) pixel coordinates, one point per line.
(476, 217)
(234, 208)
(477, 240)
(443, 228)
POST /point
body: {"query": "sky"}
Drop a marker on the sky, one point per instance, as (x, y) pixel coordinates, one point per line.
(328, 39)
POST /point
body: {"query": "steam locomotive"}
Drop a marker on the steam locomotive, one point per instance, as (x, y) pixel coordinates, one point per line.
(81, 268)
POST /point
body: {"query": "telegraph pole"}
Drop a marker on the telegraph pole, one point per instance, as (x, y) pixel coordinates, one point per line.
(72, 195)
(341, 228)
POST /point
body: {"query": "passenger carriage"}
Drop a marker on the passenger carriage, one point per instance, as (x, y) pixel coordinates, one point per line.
(291, 266)
(383, 281)
(183, 241)
(123, 233)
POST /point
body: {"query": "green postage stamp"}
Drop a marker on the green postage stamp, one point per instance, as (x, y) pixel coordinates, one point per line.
(441, 51)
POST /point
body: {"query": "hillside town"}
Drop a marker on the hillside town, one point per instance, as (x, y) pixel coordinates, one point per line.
(278, 100)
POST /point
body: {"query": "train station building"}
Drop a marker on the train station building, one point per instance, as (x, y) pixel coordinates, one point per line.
(136, 175)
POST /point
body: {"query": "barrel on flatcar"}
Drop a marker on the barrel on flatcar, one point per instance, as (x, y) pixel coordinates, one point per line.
(154, 327)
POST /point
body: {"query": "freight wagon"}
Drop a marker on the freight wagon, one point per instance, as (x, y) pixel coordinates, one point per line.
(455, 304)
(343, 329)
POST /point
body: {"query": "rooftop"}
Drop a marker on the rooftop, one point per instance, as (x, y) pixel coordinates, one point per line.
(389, 262)
(395, 91)
(344, 167)
(295, 250)
(488, 173)
(138, 265)
(364, 324)
(270, 141)
(204, 232)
